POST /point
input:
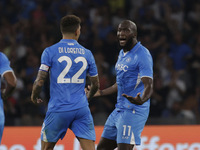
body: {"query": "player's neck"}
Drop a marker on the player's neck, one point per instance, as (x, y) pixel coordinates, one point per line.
(128, 48)
(70, 36)
(134, 43)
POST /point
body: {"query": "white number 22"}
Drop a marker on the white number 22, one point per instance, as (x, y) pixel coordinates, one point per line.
(75, 79)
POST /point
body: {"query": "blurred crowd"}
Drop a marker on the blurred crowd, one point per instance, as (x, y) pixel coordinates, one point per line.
(170, 29)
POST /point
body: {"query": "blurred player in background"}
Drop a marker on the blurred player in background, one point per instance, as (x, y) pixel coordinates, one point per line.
(8, 75)
(134, 84)
(68, 63)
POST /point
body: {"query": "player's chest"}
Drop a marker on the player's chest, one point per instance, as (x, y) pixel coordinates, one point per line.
(126, 63)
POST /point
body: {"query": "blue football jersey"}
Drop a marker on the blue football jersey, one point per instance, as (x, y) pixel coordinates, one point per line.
(69, 63)
(130, 68)
(4, 67)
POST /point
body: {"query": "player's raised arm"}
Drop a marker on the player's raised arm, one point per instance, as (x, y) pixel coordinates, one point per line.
(37, 86)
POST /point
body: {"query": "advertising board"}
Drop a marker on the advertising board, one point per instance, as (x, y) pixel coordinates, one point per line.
(153, 138)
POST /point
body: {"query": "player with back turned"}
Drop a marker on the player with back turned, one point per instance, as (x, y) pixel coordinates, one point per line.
(8, 74)
(134, 85)
(68, 64)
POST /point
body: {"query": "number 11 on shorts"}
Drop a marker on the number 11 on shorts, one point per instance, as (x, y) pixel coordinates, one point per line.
(129, 130)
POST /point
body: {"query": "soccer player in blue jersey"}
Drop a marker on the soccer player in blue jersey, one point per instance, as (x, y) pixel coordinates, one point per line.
(6, 73)
(134, 85)
(68, 64)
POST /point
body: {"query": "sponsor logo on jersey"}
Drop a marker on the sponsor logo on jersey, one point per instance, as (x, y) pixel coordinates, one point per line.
(122, 67)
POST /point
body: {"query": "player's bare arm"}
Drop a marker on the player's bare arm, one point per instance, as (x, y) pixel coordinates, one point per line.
(111, 90)
(107, 91)
(11, 84)
(148, 90)
(94, 87)
(37, 86)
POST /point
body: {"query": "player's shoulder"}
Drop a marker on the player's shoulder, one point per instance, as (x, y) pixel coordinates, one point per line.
(50, 50)
(144, 55)
(121, 52)
(87, 51)
(52, 47)
(143, 50)
(3, 56)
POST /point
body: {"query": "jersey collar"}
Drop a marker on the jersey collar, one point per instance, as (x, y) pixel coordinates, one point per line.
(135, 47)
(68, 41)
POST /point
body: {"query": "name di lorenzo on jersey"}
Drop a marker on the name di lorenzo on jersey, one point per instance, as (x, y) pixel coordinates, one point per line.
(64, 50)
(72, 50)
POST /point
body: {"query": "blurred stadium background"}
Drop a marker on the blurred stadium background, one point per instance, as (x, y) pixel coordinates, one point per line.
(170, 29)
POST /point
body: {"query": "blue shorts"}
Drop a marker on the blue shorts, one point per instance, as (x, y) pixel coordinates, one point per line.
(125, 126)
(80, 121)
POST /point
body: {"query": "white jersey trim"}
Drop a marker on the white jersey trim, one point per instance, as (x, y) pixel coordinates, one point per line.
(6, 72)
(138, 81)
(147, 76)
(94, 75)
(132, 139)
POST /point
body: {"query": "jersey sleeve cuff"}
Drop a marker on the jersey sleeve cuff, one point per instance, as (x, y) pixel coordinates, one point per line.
(147, 77)
(94, 75)
(6, 72)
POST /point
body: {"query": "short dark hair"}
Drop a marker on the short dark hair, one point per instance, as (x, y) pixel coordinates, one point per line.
(69, 23)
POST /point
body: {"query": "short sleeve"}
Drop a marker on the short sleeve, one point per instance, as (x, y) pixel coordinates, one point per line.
(4, 64)
(92, 70)
(146, 65)
(45, 58)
